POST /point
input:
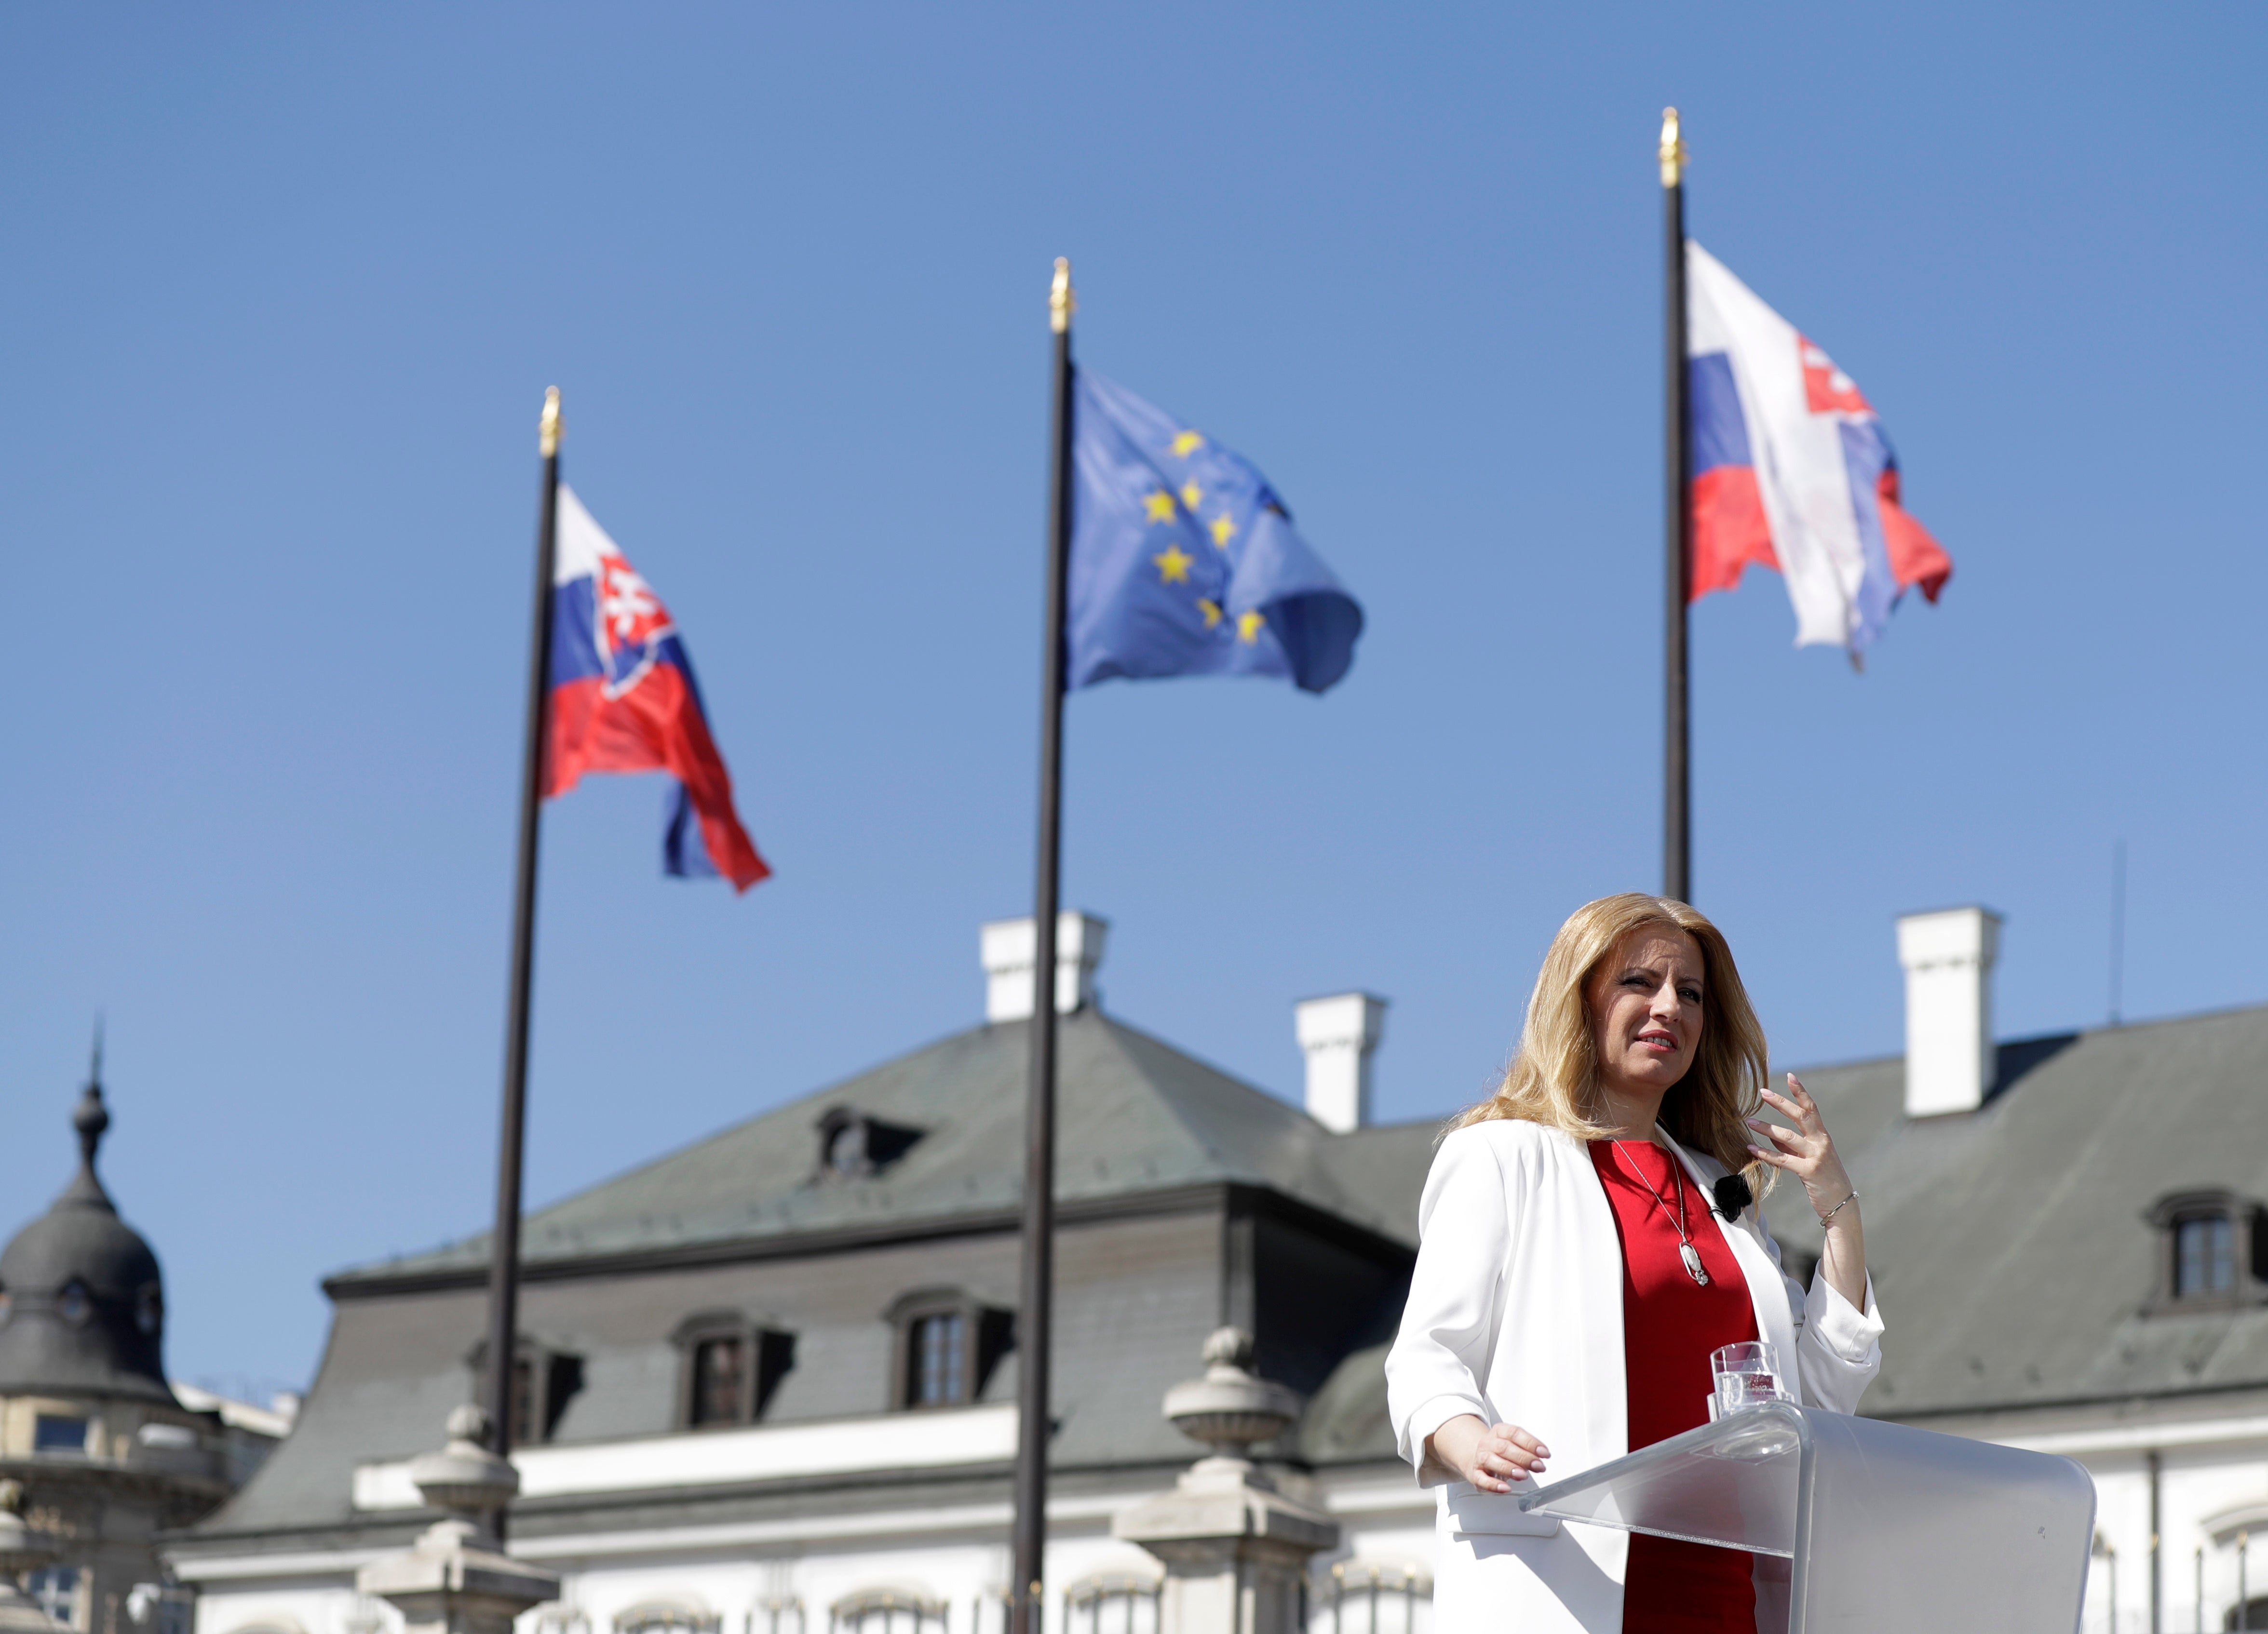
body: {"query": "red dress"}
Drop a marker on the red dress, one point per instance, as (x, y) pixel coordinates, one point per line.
(1670, 1323)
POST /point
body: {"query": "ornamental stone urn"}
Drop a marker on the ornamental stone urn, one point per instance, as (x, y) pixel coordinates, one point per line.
(1234, 1548)
(456, 1578)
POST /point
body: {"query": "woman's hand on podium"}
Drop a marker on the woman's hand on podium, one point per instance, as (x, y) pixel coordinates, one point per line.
(1490, 1456)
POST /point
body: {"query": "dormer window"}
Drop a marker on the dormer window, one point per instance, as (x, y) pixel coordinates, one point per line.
(855, 1144)
(2209, 1255)
(948, 1344)
(544, 1379)
(729, 1368)
(2204, 1256)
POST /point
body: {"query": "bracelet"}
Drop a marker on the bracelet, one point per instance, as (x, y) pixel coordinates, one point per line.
(1838, 1208)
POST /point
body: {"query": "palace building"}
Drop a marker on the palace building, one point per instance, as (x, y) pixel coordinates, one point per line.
(766, 1383)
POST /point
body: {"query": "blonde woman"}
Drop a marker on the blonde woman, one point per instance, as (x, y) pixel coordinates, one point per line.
(1574, 1276)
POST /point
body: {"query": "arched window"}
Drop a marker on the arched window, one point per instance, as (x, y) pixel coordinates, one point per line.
(948, 1344)
(667, 1616)
(728, 1368)
(544, 1379)
(886, 1611)
(1371, 1597)
(1113, 1602)
(2211, 1251)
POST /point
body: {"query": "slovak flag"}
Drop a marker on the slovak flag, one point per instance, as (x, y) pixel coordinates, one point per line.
(623, 699)
(1790, 468)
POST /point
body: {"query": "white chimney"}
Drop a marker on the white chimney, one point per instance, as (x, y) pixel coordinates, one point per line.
(1948, 958)
(1338, 1035)
(1008, 947)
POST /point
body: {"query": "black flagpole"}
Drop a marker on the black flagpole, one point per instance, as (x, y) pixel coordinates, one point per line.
(504, 1263)
(1033, 1335)
(1677, 578)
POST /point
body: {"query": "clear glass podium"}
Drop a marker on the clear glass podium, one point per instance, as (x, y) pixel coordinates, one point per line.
(1878, 1524)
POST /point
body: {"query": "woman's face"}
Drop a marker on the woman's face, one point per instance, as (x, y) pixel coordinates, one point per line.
(1645, 1002)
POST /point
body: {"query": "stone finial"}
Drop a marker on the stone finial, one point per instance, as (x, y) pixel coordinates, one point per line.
(456, 1578)
(464, 1477)
(1234, 1547)
(21, 1550)
(1230, 1409)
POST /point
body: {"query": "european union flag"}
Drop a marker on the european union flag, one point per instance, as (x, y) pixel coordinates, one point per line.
(1184, 561)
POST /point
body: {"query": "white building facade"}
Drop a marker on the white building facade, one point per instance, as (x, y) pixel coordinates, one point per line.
(768, 1382)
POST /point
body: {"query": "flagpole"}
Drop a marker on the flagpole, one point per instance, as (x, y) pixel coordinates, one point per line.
(504, 1261)
(1676, 783)
(1034, 1338)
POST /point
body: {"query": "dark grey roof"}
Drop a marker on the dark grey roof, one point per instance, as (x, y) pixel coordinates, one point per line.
(2008, 1244)
(747, 1220)
(1135, 1115)
(85, 1303)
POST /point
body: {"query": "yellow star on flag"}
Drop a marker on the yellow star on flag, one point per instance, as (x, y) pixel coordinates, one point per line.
(1187, 443)
(1223, 531)
(1174, 565)
(1249, 626)
(1211, 609)
(1191, 495)
(1162, 506)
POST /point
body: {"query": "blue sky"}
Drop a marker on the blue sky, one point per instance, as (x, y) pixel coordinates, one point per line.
(284, 286)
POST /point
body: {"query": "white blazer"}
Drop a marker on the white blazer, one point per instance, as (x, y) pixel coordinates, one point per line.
(1515, 1313)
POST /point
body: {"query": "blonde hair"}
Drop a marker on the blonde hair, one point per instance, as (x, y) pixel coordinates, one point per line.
(1553, 1079)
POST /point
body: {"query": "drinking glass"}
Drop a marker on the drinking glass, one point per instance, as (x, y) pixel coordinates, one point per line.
(1744, 1374)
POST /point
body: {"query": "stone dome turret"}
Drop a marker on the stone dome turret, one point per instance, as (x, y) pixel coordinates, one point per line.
(82, 1302)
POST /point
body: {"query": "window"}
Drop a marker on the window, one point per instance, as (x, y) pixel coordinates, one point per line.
(52, 1434)
(886, 1611)
(2212, 1251)
(2204, 1256)
(1114, 1603)
(854, 1145)
(668, 1617)
(940, 1356)
(1371, 1597)
(56, 1590)
(730, 1369)
(719, 1368)
(947, 1345)
(544, 1379)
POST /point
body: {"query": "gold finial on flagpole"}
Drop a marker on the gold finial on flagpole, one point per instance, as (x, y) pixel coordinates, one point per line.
(1672, 149)
(551, 427)
(1060, 302)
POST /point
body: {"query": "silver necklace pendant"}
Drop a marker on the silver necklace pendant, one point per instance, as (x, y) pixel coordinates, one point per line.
(1691, 1255)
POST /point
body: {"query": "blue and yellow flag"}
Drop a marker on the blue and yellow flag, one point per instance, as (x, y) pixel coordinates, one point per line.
(1184, 561)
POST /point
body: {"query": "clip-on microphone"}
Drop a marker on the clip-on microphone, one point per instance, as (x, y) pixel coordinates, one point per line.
(1733, 1196)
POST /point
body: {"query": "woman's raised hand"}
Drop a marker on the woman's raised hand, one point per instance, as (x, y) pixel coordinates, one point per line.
(1807, 1151)
(1491, 1457)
